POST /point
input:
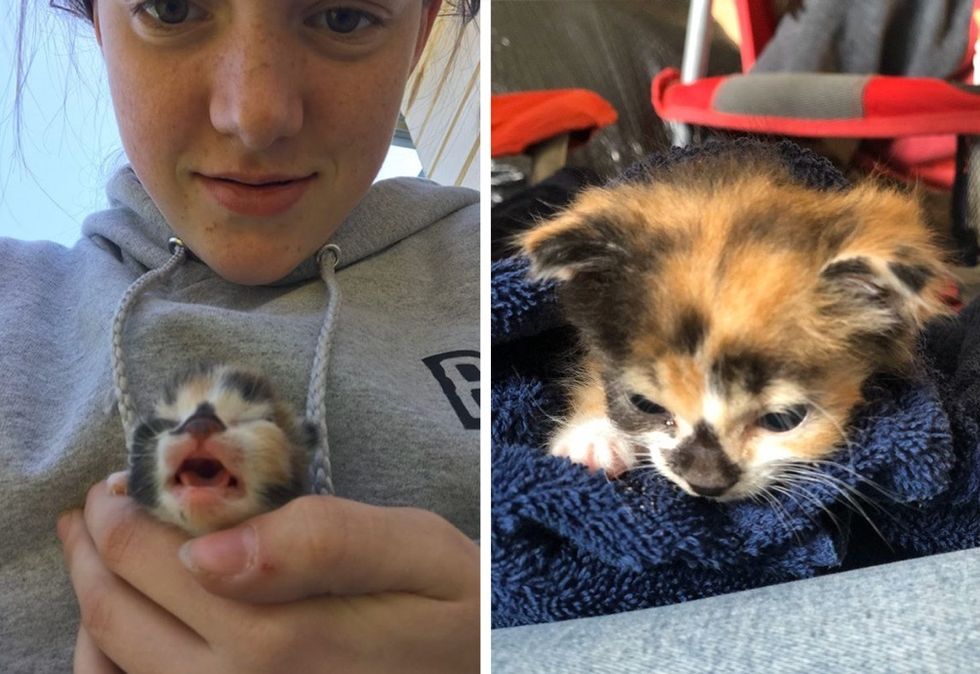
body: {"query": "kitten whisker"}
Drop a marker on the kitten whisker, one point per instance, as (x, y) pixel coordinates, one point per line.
(848, 493)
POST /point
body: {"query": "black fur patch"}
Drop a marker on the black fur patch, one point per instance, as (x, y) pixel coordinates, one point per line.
(251, 387)
(277, 495)
(704, 435)
(309, 436)
(692, 328)
(855, 266)
(595, 244)
(142, 485)
(749, 370)
(701, 461)
(857, 286)
(627, 417)
(606, 303)
(914, 276)
(780, 229)
(199, 369)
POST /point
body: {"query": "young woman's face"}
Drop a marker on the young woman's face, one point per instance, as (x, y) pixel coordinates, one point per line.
(257, 125)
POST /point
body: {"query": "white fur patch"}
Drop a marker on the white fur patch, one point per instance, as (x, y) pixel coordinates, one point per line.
(713, 409)
(595, 443)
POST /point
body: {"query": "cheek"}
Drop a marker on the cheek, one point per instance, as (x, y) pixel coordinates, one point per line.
(359, 124)
(816, 440)
(265, 454)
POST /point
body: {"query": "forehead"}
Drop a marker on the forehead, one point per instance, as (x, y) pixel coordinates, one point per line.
(218, 386)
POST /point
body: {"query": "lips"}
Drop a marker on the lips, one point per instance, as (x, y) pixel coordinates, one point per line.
(256, 195)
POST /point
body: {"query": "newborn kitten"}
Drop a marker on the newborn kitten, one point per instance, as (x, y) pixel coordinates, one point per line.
(221, 448)
(731, 316)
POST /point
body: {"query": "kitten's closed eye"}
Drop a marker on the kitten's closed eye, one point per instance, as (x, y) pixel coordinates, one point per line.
(645, 405)
(786, 420)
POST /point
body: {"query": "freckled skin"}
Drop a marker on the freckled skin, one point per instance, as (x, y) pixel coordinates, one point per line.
(254, 89)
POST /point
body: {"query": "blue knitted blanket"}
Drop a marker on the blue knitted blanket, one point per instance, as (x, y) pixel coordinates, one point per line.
(568, 544)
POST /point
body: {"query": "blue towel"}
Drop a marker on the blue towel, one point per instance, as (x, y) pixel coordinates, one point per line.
(568, 544)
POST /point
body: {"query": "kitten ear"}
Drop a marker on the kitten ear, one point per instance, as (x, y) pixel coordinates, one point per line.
(890, 272)
(573, 243)
(855, 286)
(879, 302)
(604, 230)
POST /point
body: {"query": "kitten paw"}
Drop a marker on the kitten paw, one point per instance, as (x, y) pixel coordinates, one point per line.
(117, 483)
(594, 443)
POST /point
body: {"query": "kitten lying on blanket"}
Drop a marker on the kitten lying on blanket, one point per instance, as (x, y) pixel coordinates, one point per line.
(220, 449)
(730, 316)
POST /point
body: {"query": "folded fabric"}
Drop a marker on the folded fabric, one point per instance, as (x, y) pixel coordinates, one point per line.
(567, 543)
(523, 119)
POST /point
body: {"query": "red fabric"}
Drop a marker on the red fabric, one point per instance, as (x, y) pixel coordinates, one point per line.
(893, 107)
(756, 25)
(931, 159)
(919, 97)
(520, 120)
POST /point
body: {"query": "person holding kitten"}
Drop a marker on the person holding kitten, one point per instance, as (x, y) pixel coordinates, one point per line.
(254, 129)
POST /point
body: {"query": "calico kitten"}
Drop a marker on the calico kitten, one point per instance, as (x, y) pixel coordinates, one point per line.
(730, 316)
(221, 448)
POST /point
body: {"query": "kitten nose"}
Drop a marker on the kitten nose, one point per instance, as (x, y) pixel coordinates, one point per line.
(711, 475)
(202, 424)
(203, 427)
(703, 464)
(703, 490)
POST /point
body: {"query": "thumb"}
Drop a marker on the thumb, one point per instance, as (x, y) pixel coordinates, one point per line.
(323, 545)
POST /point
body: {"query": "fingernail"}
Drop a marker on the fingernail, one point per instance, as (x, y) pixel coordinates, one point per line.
(64, 521)
(225, 553)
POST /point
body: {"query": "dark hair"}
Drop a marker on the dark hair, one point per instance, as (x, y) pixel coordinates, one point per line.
(467, 9)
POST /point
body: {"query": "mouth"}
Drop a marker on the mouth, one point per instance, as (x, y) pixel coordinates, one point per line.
(256, 195)
(203, 477)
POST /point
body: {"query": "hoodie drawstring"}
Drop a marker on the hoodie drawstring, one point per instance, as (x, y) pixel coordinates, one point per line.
(316, 405)
(316, 410)
(127, 411)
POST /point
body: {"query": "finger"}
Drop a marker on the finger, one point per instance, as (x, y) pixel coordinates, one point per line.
(128, 628)
(89, 659)
(143, 552)
(318, 545)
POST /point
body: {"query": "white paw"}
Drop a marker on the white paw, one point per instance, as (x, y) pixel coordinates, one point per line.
(595, 443)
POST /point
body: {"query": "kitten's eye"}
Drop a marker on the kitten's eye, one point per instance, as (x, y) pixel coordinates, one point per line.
(786, 420)
(646, 405)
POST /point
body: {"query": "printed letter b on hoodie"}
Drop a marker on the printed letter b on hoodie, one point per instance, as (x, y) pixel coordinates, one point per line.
(458, 373)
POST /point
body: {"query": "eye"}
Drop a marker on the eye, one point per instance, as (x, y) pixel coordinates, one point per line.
(169, 12)
(785, 420)
(344, 20)
(646, 405)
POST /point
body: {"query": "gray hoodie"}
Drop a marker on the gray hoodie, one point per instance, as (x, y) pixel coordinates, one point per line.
(401, 387)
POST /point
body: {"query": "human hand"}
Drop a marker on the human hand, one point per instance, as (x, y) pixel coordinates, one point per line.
(328, 585)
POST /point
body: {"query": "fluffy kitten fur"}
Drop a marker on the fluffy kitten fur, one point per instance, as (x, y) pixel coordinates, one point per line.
(221, 447)
(730, 316)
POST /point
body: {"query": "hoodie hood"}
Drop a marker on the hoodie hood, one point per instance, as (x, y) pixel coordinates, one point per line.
(405, 205)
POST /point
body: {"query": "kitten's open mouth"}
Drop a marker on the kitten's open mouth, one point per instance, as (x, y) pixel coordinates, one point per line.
(202, 471)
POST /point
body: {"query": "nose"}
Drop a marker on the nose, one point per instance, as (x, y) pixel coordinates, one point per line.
(202, 424)
(256, 87)
(703, 464)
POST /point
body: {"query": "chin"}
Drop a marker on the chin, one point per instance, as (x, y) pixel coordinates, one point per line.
(251, 269)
